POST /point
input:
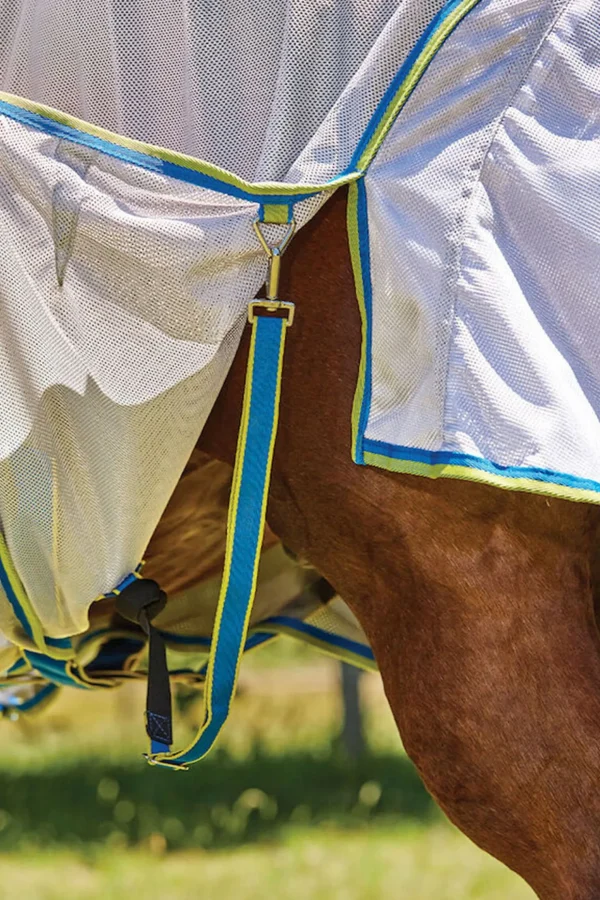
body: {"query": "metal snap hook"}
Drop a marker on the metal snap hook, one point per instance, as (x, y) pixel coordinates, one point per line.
(274, 253)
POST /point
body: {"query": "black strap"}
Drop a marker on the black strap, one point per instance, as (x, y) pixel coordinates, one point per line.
(141, 602)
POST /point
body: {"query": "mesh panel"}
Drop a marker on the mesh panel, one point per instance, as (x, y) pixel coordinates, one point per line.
(123, 291)
(531, 256)
(419, 188)
(337, 619)
(483, 219)
(249, 87)
(117, 332)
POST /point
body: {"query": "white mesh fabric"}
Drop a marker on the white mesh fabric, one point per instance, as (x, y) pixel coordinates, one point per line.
(484, 226)
(418, 190)
(249, 87)
(123, 291)
(337, 619)
(117, 333)
(526, 339)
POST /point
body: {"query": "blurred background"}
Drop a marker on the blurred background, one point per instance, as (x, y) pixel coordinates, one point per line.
(305, 797)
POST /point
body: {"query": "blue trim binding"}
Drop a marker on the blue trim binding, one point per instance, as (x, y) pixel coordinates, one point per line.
(143, 160)
(55, 670)
(31, 702)
(41, 695)
(396, 83)
(449, 458)
(247, 525)
(59, 643)
(14, 601)
(129, 579)
(335, 640)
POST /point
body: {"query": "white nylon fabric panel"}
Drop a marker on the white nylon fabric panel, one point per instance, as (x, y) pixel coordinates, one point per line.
(330, 151)
(419, 191)
(123, 295)
(485, 227)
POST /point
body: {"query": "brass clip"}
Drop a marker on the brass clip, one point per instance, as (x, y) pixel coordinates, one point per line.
(274, 254)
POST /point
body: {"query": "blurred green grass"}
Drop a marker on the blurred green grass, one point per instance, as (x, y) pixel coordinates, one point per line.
(82, 803)
(277, 808)
(420, 864)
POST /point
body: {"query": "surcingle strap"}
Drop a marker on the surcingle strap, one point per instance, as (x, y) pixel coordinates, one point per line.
(140, 602)
(245, 527)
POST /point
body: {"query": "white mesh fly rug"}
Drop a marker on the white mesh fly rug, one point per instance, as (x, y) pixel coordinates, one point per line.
(139, 142)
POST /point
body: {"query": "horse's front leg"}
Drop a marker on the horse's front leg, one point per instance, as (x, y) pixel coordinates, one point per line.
(478, 606)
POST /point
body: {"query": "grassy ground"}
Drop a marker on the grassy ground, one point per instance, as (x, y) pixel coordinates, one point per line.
(277, 810)
(367, 864)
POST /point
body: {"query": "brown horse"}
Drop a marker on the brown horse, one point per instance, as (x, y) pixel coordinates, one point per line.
(478, 602)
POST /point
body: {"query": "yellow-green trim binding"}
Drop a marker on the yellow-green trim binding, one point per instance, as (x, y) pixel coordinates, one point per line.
(359, 282)
(259, 189)
(275, 213)
(468, 473)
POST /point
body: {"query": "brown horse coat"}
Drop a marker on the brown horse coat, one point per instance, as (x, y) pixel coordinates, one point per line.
(478, 602)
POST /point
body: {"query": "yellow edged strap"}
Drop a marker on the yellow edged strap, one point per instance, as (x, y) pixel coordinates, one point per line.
(245, 527)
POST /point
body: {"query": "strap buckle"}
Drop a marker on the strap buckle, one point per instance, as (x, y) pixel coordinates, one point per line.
(271, 307)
